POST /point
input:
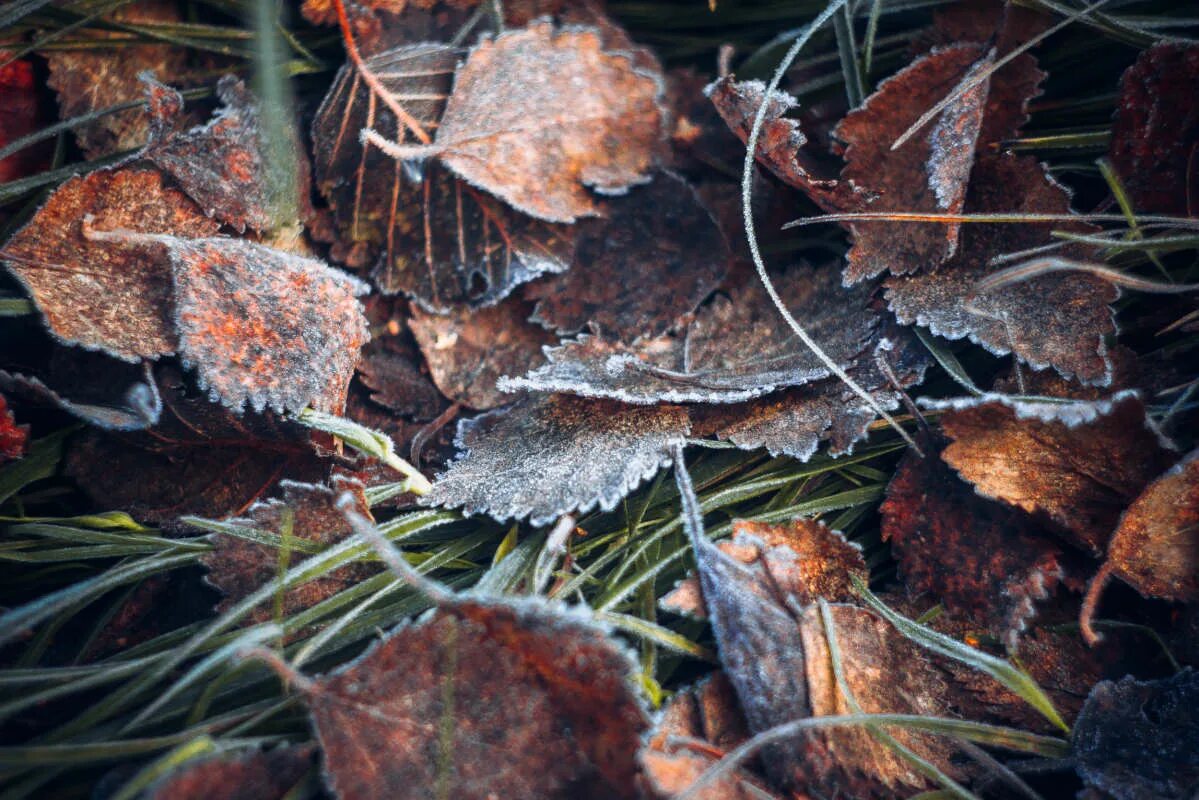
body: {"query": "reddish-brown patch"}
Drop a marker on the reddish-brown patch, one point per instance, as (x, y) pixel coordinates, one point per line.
(13, 437)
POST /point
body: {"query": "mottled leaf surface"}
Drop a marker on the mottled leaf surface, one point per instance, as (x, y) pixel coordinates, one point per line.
(253, 775)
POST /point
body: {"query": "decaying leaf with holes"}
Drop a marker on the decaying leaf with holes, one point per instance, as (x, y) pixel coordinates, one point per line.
(243, 775)
(589, 119)
(423, 231)
(114, 296)
(468, 351)
(985, 561)
(549, 455)
(222, 165)
(1059, 320)
(1155, 135)
(640, 270)
(734, 350)
(304, 521)
(805, 558)
(482, 700)
(1076, 464)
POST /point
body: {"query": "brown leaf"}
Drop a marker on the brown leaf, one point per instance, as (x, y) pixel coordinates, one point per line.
(266, 328)
(1155, 548)
(426, 233)
(106, 295)
(13, 437)
(481, 701)
(734, 350)
(984, 561)
(926, 174)
(1155, 135)
(804, 558)
(573, 116)
(309, 513)
(222, 165)
(92, 78)
(253, 775)
(1059, 320)
(21, 114)
(549, 455)
(650, 262)
(1077, 465)
(390, 365)
(468, 351)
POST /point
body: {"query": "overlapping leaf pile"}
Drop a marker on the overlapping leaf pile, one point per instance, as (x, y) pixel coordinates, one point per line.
(507, 222)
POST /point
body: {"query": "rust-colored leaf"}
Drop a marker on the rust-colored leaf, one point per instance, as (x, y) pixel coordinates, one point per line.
(984, 561)
(253, 775)
(481, 701)
(805, 558)
(1155, 135)
(1059, 320)
(21, 114)
(424, 232)
(221, 165)
(1140, 739)
(13, 437)
(305, 515)
(573, 116)
(1077, 465)
(734, 350)
(114, 296)
(390, 365)
(549, 455)
(637, 272)
(467, 352)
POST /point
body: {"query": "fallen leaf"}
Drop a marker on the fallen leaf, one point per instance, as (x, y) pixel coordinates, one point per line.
(13, 437)
(426, 233)
(734, 350)
(1155, 134)
(266, 328)
(483, 700)
(700, 141)
(20, 115)
(804, 558)
(97, 76)
(1137, 740)
(590, 118)
(549, 455)
(252, 775)
(390, 365)
(106, 295)
(983, 560)
(1059, 320)
(468, 351)
(1076, 465)
(222, 165)
(138, 408)
(305, 515)
(640, 270)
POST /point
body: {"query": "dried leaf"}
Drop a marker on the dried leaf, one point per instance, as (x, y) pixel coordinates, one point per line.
(467, 352)
(1077, 465)
(222, 165)
(21, 114)
(734, 350)
(1139, 740)
(13, 437)
(637, 272)
(1155, 547)
(309, 515)
(1155, 135)
(398, 384)
(806, 560)
(96, 77)
(984, 561)
(253, 775)
(481, 701)
(574, 115)
(927, 174)
(700, 141)
(106, 295)
(266, 328)
(139, 407)
(1058, 320)
(549, 455)
(427, 233)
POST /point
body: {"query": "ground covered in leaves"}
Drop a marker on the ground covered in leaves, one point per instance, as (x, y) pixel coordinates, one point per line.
(543, 399)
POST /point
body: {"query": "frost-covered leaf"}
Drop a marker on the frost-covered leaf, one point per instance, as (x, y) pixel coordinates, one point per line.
(650, 262)
(252, 775)
(549, 455)
(138, 407)
(482, 700)
(736, 348)
(106, 295)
